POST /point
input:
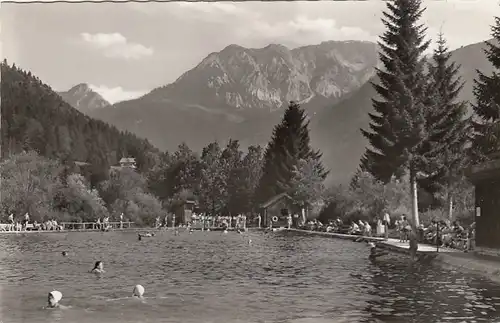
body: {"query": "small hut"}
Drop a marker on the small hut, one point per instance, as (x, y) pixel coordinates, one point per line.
(184, 212)
(278, 207)
(486, 180)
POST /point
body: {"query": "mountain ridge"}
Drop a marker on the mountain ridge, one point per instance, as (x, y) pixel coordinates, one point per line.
(204, 102)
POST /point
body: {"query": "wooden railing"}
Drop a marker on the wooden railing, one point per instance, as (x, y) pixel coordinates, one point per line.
(95, 226)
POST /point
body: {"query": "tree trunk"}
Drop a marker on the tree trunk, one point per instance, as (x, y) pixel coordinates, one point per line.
(414, 199)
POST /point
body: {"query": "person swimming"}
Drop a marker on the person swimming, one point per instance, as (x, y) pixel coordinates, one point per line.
(138, 291)
(374, 254)
(54, 298)
(98, 268)
(64, 253)
(146, 235)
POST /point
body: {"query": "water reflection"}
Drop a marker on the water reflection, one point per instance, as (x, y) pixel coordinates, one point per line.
(210, 277)
(425, 293)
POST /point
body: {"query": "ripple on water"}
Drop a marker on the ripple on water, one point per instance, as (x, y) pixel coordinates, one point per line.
(209, 277)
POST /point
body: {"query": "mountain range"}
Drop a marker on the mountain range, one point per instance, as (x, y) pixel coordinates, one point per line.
(240, 93)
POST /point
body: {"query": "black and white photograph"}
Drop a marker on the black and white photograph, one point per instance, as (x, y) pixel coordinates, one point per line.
(250, 161)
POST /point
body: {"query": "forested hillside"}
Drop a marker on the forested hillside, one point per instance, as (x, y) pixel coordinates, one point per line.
(34, 117)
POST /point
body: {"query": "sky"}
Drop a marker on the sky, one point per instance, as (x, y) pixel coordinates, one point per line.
(124, 50)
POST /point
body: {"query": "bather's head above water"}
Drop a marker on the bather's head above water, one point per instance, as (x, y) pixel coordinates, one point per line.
(138, 291)
(98, 267)
(53, 299)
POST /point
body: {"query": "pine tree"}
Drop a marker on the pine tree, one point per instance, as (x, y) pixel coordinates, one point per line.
(289, 144)
(399, 127)
(451, 126)
(231, 162)
(487, 108)
(213, 181)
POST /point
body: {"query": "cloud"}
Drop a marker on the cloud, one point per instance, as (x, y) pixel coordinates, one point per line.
(200, 12)
(305, 31)
(115, 45)
(116, 94)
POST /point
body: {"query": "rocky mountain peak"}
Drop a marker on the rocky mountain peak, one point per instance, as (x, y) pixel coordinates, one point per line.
(83, 98)
(270, 77)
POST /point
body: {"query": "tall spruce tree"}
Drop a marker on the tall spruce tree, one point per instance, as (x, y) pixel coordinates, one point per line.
(451, 126)
(289, 144)
(400, 130)
(486, 122)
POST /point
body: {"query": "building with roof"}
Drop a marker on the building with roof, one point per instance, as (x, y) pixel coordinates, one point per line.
(278, 207)
(486, 180)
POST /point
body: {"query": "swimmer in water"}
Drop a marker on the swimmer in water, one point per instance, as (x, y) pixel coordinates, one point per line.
(98, 268)
(64, 253)
(138, 291)
(53, 299)
(373, 252)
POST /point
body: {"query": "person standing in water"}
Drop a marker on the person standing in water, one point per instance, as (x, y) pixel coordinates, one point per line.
(259, 221)
(98, 268)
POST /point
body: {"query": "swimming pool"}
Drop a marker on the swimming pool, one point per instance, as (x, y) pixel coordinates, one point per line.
(216, 277)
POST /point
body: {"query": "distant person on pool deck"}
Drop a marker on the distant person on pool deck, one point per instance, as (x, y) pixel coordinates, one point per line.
(405, 228)
(98, 268)
(289, 221)
(26, 220)
(53, 299)
(386, 223)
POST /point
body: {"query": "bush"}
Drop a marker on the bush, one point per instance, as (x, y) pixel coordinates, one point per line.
(366, 199)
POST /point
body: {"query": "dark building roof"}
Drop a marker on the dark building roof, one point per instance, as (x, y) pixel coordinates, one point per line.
(273, 200)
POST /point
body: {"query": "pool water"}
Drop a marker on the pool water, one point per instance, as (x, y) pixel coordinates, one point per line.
(215, 277)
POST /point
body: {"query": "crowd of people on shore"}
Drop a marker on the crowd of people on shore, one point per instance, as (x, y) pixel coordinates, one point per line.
(443, 233)
(201, 221)
(16, 224)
